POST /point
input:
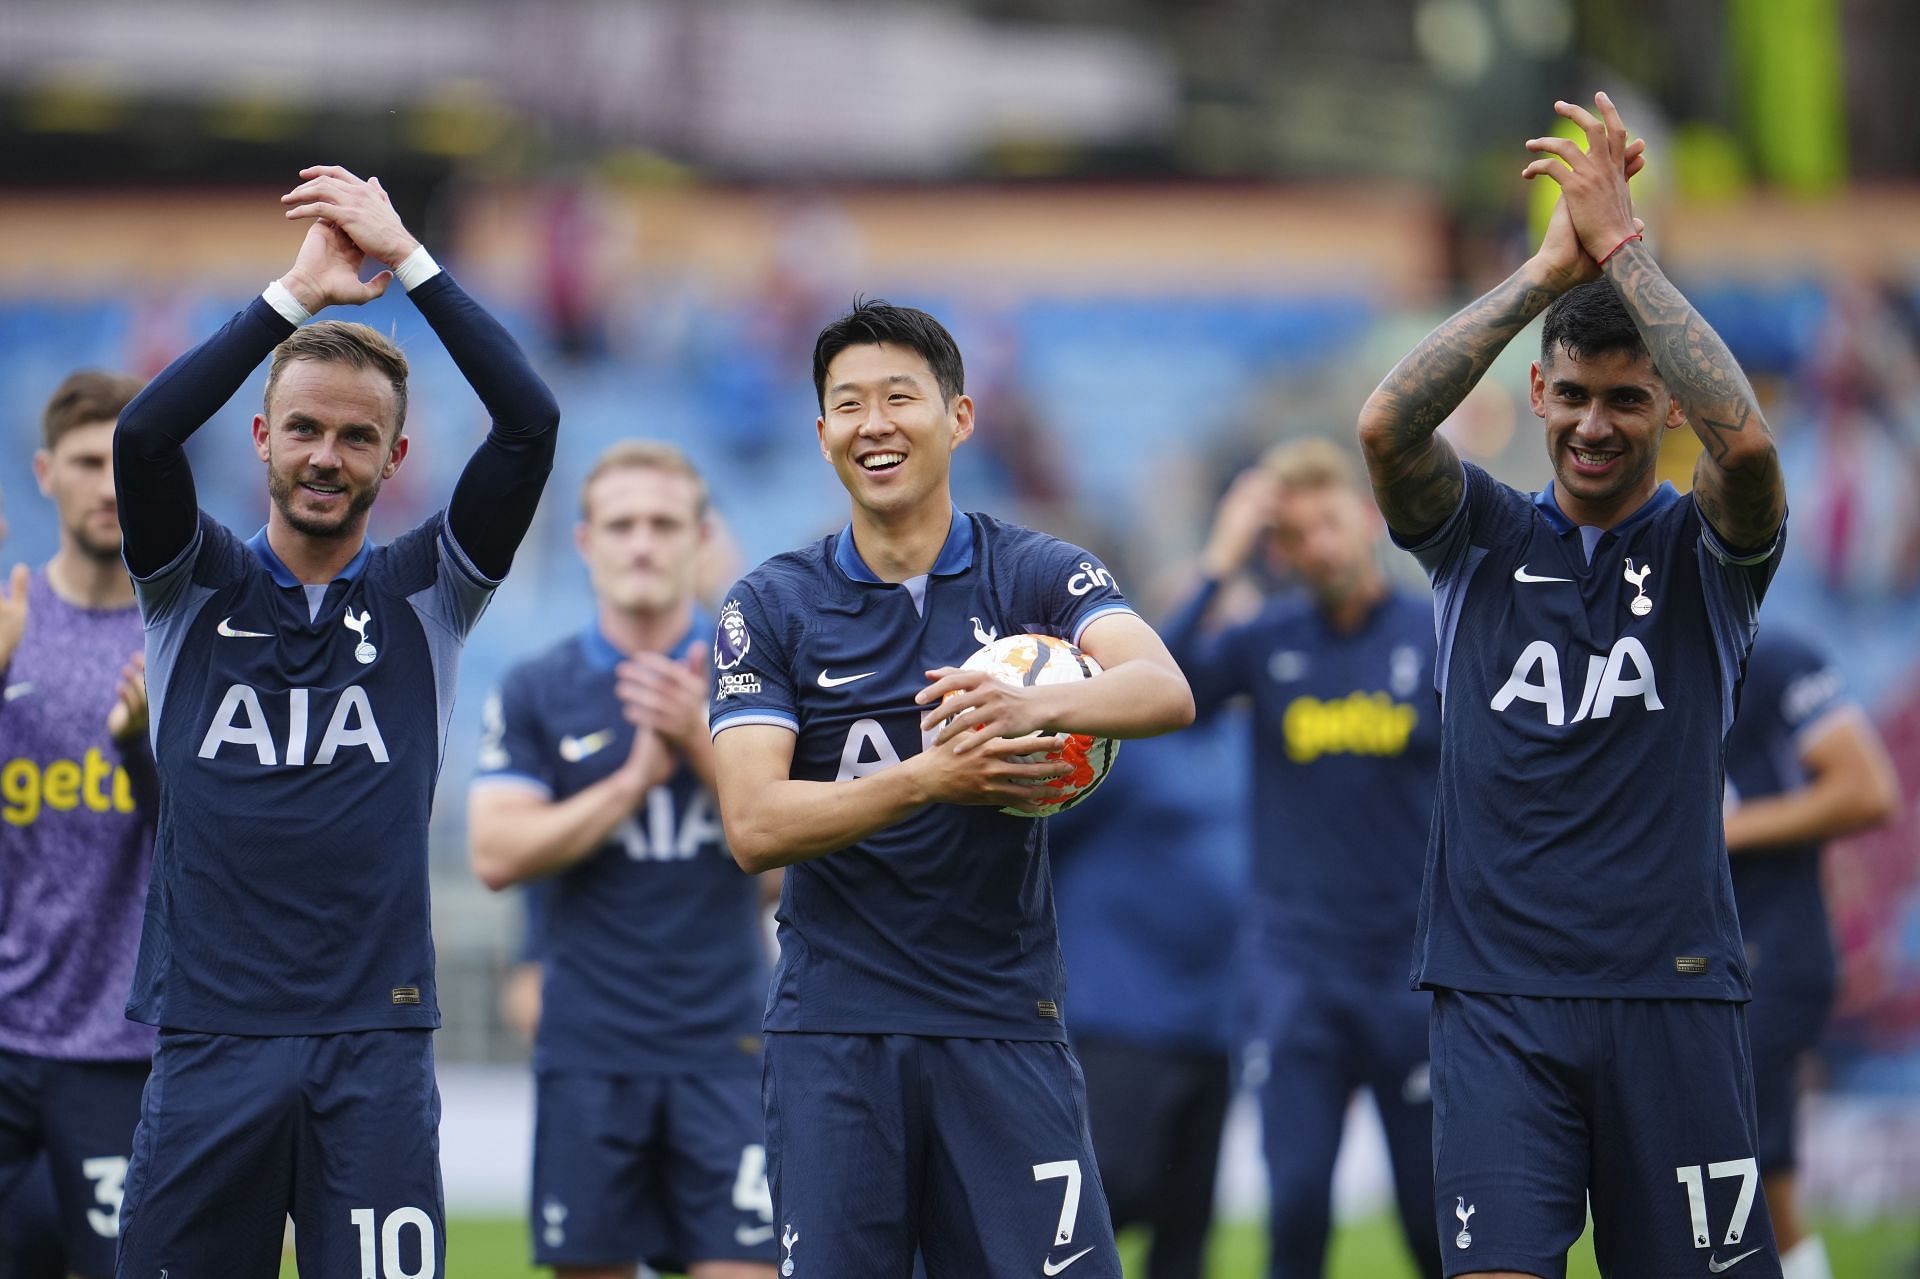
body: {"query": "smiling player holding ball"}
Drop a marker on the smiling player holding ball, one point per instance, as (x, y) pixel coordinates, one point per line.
(919, 1089)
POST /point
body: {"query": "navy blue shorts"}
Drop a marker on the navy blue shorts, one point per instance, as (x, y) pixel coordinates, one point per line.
(1641, 1108)
(237, 1133)
(81, 1115)
(976, 1151)
(669, 1170)
(1785, 1022)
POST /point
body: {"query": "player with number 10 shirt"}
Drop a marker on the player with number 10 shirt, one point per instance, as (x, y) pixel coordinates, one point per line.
(301, 683)
(919, 1091)
(1577, 926)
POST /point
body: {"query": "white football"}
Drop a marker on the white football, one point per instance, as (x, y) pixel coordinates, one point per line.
(1026, 660)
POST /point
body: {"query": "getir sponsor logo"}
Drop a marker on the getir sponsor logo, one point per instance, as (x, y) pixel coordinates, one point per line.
(1357, 724)
(94, 783)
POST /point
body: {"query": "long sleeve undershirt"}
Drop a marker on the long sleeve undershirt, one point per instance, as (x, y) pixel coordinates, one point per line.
(492, 505)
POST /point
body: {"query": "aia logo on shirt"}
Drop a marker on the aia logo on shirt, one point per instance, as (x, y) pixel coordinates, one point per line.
(1621, 675)
(277, 726)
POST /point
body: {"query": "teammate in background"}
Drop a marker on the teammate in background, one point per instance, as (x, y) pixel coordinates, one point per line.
(76, 842)
(1577, 924)
(919, 1089)
(302, 682)
(1804, 765)
(1346, 745)
(1150, 881)
(596, 769)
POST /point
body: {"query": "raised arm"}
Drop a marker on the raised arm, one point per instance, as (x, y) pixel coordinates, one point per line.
(494, 501)
(1737, 482)
(152, 481)
(1416, 477)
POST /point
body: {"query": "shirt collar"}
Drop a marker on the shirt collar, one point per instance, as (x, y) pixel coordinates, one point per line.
(603, 656)
(956, 553)
(283, 576)
(1549, 506)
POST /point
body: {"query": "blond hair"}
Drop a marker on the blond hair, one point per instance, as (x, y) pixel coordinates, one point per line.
(343, 342)
(1311, 464)
(645, 455)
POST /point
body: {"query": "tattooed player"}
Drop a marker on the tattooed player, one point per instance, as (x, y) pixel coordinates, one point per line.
(1577, 925)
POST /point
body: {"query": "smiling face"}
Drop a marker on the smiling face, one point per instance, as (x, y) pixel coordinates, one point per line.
(641, 534)
(1605, 414)
(886, 430)
(330, 437)
(77, 474)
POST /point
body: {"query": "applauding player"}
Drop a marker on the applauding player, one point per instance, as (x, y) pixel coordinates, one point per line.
(919, 1090)
(302, 682)
(1577, 924)
(75, 841)
(1346, 743)
(597, 770)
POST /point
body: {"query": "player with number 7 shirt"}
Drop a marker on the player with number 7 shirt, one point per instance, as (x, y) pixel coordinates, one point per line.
(1577, 926)
(919, 1091)
(301, 684)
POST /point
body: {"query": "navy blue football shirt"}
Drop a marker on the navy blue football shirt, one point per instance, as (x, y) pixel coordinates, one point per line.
(1588, 679)
(1346, 748)
(652, 944)
(1792, 693)
(941, 924)
(302, 729)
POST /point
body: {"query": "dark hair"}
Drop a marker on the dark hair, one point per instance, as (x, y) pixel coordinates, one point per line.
(85, 398)
(875, 320)
(344, 342)
(1589, 319)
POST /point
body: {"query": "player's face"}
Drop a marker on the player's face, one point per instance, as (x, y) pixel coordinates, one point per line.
(77, 474)
(886, 430)
(329, 440)
(1605, 416)
(1326, 535)
(641, 537)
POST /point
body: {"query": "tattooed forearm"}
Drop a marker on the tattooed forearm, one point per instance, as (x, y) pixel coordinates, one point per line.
(1738, 482)
(1416, 477)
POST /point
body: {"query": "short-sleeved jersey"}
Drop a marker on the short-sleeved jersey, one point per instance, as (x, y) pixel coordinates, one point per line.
(299, 731)
(1588, 678)
(1791, 696)
(654, 958)
(941, 924)
(74, 848)
(1346, 752)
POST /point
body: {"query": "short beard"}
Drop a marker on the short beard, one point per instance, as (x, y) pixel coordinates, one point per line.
(280, 489)
(91, 547)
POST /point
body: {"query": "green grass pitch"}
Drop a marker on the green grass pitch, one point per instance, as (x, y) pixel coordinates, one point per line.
(495, 1249)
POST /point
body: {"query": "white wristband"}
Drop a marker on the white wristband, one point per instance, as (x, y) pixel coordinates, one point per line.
(417, 269)
(281, 299)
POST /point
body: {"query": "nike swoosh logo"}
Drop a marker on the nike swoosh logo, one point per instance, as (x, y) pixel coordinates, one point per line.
(831, 681)
(1716, 1265)
(226, 628)
(750, 1236)
(1521, 575)
(20, 690)
(1050, 1267)
(574, 749)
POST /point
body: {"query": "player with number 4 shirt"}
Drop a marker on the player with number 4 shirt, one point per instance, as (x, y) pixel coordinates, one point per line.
(1589, 1042)
(595, 783)
(920, 1094)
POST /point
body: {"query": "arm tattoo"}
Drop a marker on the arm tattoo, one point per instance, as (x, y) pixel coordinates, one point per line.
(1738, 482)
(1417, 480)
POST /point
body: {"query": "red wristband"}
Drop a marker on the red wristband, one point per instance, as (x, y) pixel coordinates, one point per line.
(1616, 248)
